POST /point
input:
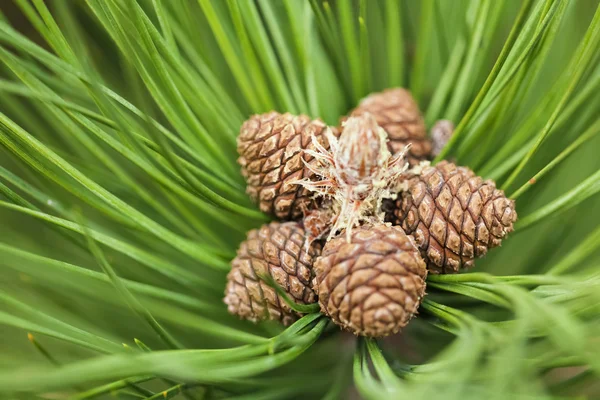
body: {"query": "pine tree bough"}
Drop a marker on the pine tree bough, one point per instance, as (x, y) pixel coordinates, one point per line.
(366, 195)
(372, 285)
(454, 216)
(270, 148)
(280, 251)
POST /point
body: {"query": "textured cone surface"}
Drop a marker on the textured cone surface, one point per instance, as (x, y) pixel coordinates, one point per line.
(278, 250)
(398, 114)
(372, 285)
(270, 148)
(453, 215)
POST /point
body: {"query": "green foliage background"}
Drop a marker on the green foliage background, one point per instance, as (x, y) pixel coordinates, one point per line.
(121, 203)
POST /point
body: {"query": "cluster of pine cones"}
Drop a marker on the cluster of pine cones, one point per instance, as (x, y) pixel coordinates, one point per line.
(369, 280)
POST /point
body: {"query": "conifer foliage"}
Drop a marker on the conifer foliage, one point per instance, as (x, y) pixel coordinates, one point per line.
(122, 204)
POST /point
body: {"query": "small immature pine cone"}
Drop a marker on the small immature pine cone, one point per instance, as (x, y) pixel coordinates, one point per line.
(398, 114)
(276, 249)
(453, 215)
(271, 152)
(440, 135)
(372, 285)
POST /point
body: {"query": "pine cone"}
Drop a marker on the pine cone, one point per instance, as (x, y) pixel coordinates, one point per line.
(440, 135)
(453, 215)
(270, 148)
(398, 114)
(276, 249)
(372, 285)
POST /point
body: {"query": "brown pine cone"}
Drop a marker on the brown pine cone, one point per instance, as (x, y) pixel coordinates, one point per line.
(270, 148)
(398, 114)
(276, 249)
(453, 215)
(372, 285)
